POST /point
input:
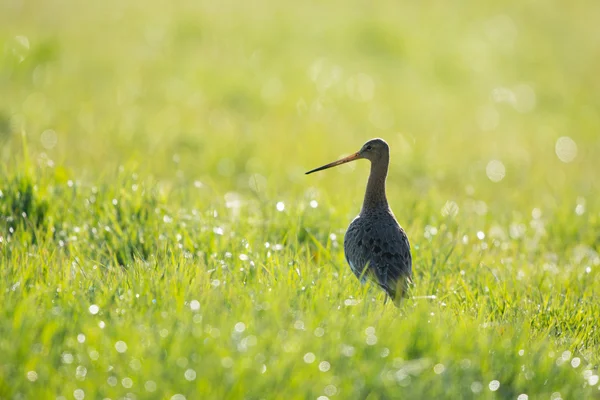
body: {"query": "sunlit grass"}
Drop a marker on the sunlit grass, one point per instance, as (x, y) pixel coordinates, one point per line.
(158, 236)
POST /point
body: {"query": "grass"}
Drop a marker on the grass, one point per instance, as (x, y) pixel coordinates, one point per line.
(158, 238)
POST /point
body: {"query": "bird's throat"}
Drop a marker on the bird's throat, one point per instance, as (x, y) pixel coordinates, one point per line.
(375, 198)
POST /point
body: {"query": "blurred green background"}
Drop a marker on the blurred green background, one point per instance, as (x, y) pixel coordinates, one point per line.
(272, 88)
(157, 150)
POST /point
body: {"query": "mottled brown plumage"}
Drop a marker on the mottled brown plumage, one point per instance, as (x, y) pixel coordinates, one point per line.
(375, 245)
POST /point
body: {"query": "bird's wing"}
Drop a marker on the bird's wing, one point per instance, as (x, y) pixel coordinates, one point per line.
(391, 260)
(378, 249)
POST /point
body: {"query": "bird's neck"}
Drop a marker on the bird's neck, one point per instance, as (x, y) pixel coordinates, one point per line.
(375, 198)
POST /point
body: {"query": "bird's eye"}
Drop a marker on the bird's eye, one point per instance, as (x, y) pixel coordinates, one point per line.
(369, 147)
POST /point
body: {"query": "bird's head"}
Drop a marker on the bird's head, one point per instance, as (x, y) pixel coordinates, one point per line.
(374, 150)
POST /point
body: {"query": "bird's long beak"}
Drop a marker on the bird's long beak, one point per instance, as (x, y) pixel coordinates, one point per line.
(344, 160)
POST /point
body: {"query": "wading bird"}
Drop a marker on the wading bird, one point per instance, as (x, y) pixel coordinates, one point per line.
(375, 245)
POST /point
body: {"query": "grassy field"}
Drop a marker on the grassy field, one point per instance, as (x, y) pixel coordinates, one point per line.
(158, 239)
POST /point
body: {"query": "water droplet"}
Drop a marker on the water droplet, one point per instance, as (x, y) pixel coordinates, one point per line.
(280, 206)
(476, 387)
(575, 362)
(194, 305)
(324, 366)
(121, 346)
(309, 358)
(330, 390)
(190, 374)
(32, 376)
(314, 204)
(150, 386)
(495, 170)
(79, 394)
(127, 382)
(240, 327)
(494, 385)
(67, 358)
(450, 209)
(439, 368)
(566, 149)
(94, 309)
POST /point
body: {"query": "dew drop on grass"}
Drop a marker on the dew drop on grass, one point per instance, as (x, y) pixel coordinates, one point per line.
(121, 346)
(112, 381)
(309, 358)
(439, 369)
(240, 327)
(32, 376)
(575, 362)
(314, 204)
(79, 394)
(127, 382)
(81, 338)
(135, 364)
(330, 390)
(190, 375)
(523, 396)
(178, 396)
(67, 358)
(348, 350)
(80, 372)
(476, 387)
(194, 305)
(566, 149)
(280, 206)
(494, 385)
(495, 170)
(371, 340)
(324, 366)
(150, 386)
(555, 396)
